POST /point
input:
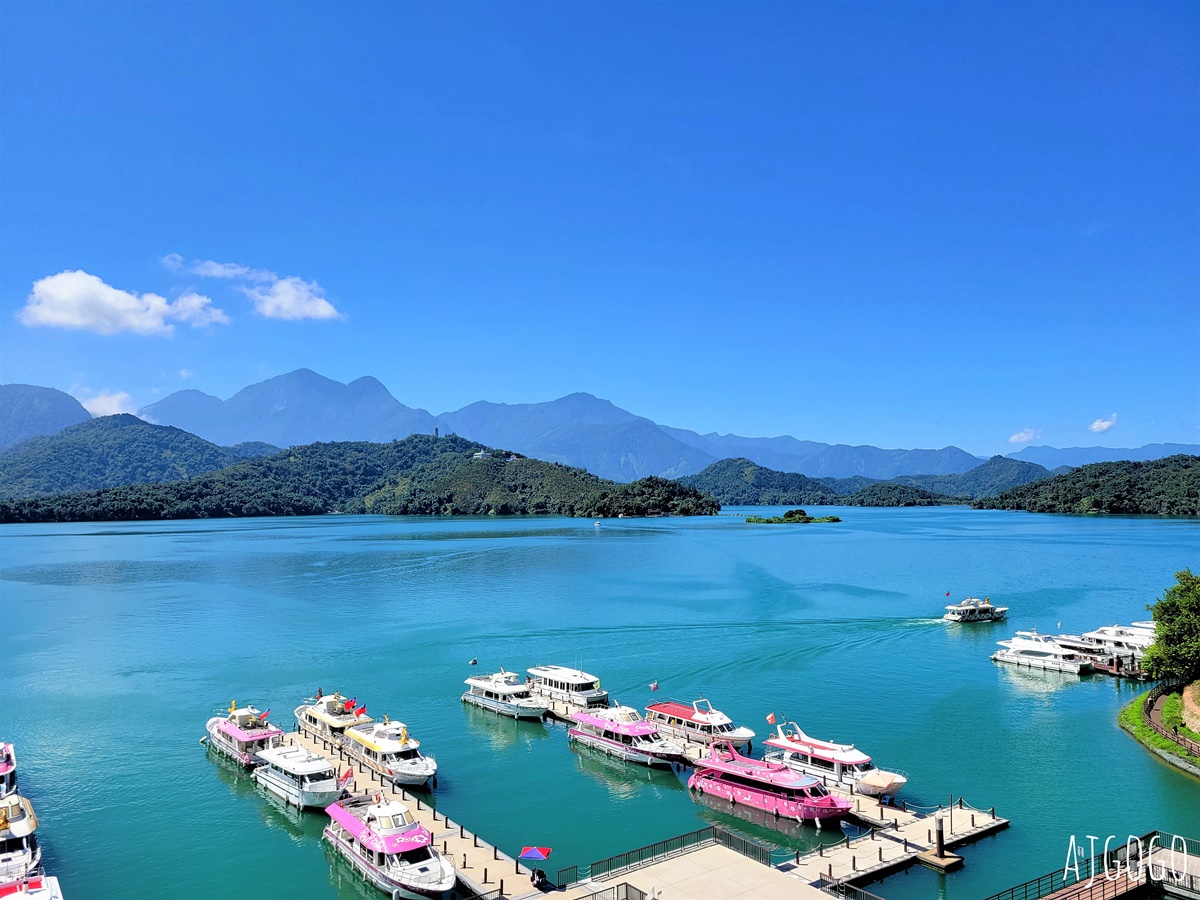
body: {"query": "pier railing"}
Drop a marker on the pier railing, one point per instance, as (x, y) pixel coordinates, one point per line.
(836, 888)
(1092, 883)
(661, 850)
(1167, 687)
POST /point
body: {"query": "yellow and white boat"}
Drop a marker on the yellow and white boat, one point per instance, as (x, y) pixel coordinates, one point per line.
(386, 748)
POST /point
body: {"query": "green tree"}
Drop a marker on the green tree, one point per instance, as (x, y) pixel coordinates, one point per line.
(1175, 653)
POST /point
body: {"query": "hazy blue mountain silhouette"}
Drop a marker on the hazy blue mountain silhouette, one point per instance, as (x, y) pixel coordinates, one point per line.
(27, 411)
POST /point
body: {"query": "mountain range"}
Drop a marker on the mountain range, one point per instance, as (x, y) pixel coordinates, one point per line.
(577, 430)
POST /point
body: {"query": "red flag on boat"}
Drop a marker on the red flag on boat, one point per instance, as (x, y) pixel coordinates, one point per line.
(654, 685)
(345, 779)
(262, 717)
(771, 718)
(947, 593)
(361, 711)
(350, 704)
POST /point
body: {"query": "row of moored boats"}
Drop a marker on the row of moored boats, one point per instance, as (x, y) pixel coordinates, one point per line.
(21, 873)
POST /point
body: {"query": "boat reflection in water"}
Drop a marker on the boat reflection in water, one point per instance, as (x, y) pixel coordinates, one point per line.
(503, 732)
(239, 779)
(276, 813)
(623, 780)
(763, 827)
(1037, 681)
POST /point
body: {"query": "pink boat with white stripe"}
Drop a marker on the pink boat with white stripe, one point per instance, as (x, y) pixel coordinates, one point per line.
(381, 840)
(8, 769)
(242, 733)
(771, 787)
(620, 731)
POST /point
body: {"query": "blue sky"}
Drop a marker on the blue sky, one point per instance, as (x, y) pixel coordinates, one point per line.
(908, 224)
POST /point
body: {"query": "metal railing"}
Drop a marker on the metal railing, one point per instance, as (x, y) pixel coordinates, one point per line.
(622, 891)
(837, 888)
(1167, 687)
(1092, 883)
(740, 844)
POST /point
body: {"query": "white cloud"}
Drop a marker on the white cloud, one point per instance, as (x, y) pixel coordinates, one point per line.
(1025, 435)
(1102, 425)
(185, 373)
(109, 403)
(173, 261)
(291, 298)
(81, 301)
(208, 268)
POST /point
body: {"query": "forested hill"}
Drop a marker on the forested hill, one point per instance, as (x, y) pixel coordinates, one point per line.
(1168, 486)
(741, 482)
(109, 452)
(997, 474)
(420, 474)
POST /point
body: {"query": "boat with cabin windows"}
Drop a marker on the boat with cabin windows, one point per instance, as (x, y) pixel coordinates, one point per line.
(697, 723)
(620, 731)
(1123, 640)
(506, 693)
(765, 785)
(573, 687)
(8, 769)
(382, 841)
(327, 716)
(838, 763)
(1040, 651)
(242, 734)
(299, 776)
(386, 748)
(975, 610)
(19, 849)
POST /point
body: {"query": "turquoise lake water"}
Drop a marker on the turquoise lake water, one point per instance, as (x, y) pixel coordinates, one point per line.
(118, 641)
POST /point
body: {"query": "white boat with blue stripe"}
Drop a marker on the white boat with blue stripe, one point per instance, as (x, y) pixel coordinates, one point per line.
(505, 693)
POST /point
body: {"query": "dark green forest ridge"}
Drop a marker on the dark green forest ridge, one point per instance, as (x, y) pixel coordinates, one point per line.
(421, 474)
(1169, 486)
(109, 452)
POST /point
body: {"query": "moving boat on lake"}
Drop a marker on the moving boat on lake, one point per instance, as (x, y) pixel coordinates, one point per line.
(506, 693)
(19, 850)
(622, 732)
(380, 838)
(243, 733)
(1040, 651)
(386, 747)
(574, 687)
(299, 776)
(840, 763)
(975, 610)
(762, 784)
(8, 769)
(697, 723)
(328, 716)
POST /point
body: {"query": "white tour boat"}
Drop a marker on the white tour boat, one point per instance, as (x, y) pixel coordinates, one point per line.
(35, 885)
(327, 716)
(8, 769)
(837, 763)
(506, 693)
(1040, 651)
(243, 734)
(697, 723)
(1123, 640)
(19, 850)
(622, 732)
(386, 748)
(299, 776)
(380, 838)
(975, 610)
(573, 687)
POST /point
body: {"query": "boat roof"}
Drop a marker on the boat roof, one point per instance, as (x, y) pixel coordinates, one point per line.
(18, 817)
(723, 758)
(563, 673)
(383, 737)
(249, 732)
(621, 719)
(976, 603)
(297, 760)
(799, 741)
(331, 709)
(503, 682)
(691, 712)
(8, 758)
(357, 814)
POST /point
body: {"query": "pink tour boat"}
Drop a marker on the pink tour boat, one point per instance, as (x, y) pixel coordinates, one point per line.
(769, 786)
(8, 769)
(382, 841)
(621, 731)
(243, 733)
(839, 763)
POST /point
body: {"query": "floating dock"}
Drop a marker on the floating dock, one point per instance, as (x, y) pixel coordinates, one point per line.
(482, 868)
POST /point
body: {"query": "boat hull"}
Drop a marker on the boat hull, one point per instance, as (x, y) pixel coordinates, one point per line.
(221, 743)
(767, 801)
(1046, 664)
(514, 710)
(859, 785)
(298, 797)
(617, 750)
(734, 739)
(436, 889)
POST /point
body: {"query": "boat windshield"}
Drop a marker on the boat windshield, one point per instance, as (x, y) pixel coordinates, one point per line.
(317, 778)
(817, 791)
(416, 855)
(402, 755)
(400, 820)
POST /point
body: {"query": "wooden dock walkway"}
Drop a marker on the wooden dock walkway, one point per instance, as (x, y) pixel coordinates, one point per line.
(482, 868)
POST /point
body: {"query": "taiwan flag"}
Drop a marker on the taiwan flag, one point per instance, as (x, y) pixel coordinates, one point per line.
(345, 779)
(771, 718)
(361, 711)
(350, 704)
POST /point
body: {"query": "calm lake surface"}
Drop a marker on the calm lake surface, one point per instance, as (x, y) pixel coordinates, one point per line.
(118, 641)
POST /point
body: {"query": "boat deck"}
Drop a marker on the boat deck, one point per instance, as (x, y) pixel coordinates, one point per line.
(481, 866)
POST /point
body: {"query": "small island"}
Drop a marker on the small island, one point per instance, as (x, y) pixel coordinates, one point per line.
(797, 516)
